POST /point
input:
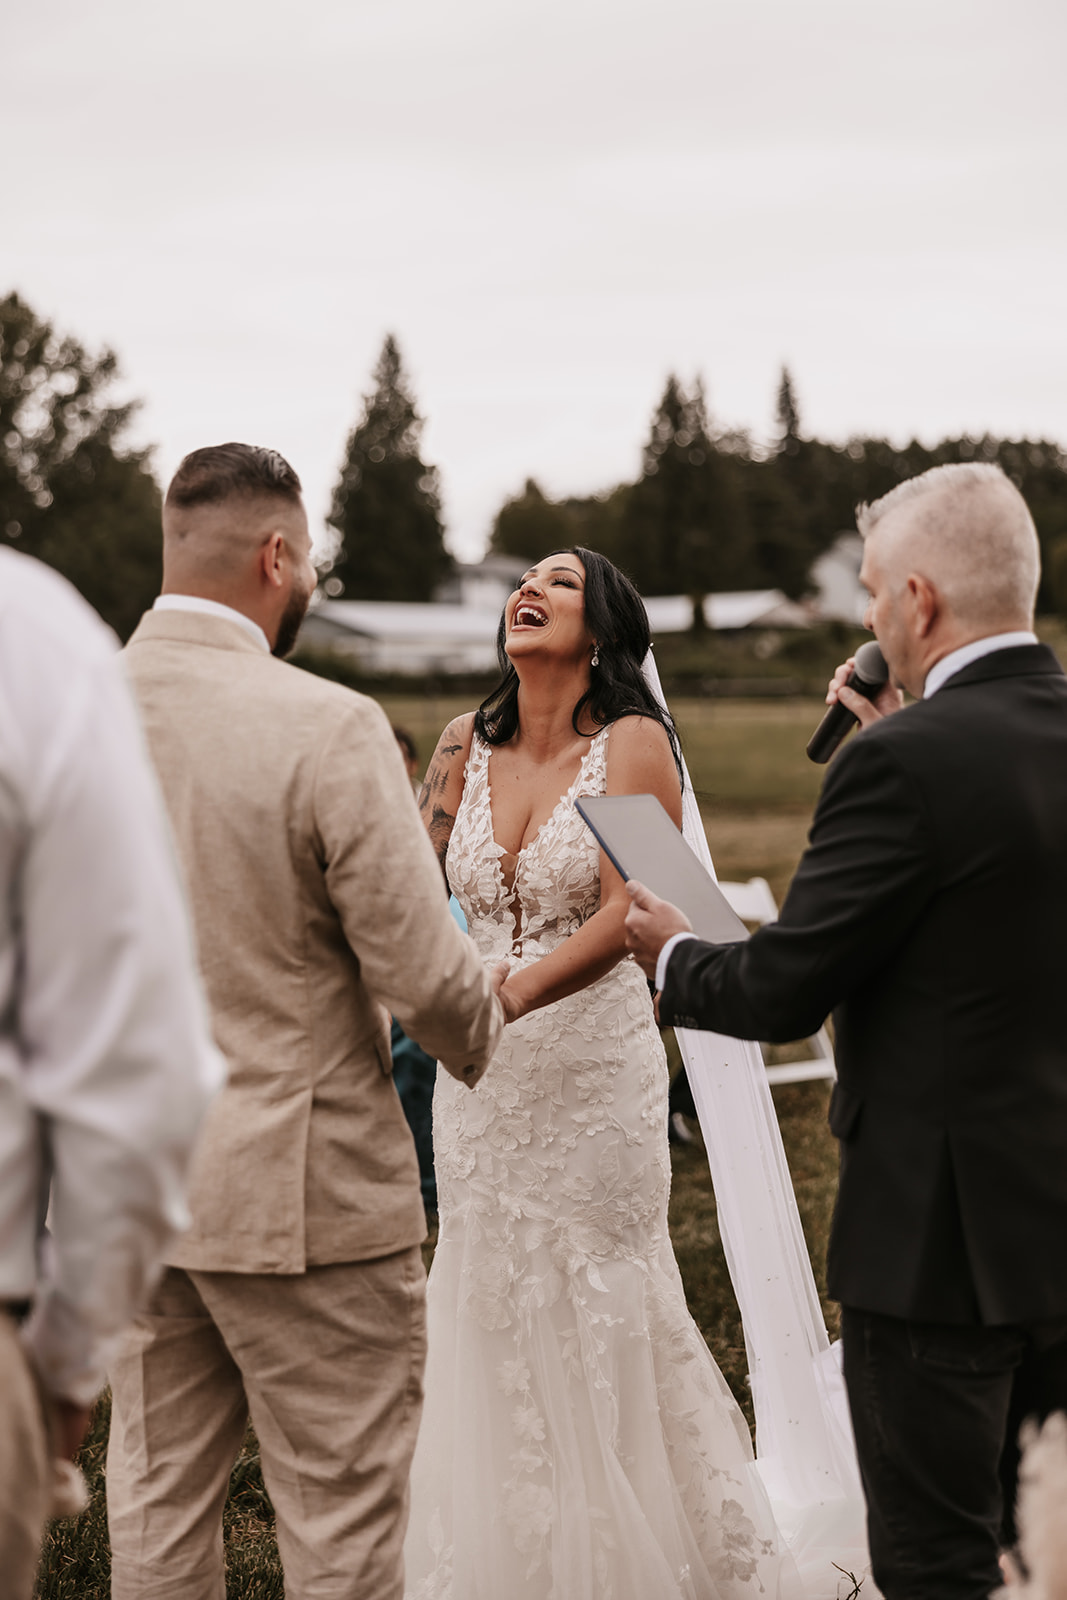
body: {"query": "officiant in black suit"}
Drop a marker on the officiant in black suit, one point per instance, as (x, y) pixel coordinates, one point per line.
(929, 913)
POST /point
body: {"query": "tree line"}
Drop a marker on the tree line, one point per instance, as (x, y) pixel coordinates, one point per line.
(710, 510)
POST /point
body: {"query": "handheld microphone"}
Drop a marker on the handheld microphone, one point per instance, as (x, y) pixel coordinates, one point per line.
(867, 677)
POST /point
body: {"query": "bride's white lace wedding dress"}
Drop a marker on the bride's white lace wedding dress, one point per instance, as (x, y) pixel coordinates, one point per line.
(578, 1441)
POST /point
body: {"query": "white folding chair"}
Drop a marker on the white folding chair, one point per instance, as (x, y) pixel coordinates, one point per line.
(754, 902)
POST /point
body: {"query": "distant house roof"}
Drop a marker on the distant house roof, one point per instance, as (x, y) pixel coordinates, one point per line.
(746, 608)
(397, 636)
(400, 619)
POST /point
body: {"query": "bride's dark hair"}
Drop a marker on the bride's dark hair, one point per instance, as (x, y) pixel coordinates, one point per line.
(616, 617)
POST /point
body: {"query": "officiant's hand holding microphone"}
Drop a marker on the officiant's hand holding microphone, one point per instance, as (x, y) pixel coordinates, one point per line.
(859, 691)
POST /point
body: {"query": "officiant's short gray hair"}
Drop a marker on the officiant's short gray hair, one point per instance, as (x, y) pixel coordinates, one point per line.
(971, 534)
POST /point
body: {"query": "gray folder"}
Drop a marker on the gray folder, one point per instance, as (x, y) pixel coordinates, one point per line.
(642, 842)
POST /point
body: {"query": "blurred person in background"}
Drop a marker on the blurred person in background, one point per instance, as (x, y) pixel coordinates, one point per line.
(410, 754)
(297, 1298)
(106, 1062)
(415, 1072)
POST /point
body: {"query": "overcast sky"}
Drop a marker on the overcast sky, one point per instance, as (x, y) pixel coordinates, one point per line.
(552, 204)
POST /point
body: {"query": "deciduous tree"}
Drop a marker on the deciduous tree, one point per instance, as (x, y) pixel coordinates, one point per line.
(70, 493)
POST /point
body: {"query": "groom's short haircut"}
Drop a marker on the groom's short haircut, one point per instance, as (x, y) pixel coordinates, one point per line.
(223, 502)
(970, 533)
(226, 471)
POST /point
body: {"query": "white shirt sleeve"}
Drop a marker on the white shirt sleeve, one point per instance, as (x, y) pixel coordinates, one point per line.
(663, 959)
(106, 1040)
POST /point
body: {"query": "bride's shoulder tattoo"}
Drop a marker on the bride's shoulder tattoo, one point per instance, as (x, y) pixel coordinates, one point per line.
(438, 819)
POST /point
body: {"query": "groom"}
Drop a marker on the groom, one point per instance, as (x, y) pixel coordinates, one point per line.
(929, 913)
(296, 1298)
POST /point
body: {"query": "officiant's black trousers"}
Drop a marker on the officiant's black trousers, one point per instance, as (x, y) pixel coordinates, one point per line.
(936, 1410)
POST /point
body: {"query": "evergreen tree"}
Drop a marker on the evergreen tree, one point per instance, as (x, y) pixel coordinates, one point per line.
(69, 493)
(1055, 574)
(386, 506)
(529, 525)
(597, 521)
(778, 556)
(801, 514)
(683, 527)
(788, 416)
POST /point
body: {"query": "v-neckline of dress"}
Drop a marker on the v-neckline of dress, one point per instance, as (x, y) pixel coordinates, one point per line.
(551, 816)
(511, 892)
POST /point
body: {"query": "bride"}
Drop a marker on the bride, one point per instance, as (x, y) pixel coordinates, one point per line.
(578, 1441)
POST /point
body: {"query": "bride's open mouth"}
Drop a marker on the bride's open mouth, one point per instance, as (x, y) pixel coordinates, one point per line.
(529, 616)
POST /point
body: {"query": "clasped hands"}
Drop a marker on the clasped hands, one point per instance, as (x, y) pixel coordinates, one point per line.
(513, 1006)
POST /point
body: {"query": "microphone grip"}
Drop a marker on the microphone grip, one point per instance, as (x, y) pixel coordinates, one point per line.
(867, 678)
(835, 724)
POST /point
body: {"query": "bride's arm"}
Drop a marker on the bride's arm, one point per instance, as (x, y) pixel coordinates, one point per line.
(442, 788)
(639, 762)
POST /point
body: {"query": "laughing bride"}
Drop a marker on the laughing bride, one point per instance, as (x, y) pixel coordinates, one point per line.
(578, 1441)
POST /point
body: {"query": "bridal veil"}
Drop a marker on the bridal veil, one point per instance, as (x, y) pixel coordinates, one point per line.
(804, 1445)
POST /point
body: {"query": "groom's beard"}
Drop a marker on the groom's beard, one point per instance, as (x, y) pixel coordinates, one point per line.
(292, 617)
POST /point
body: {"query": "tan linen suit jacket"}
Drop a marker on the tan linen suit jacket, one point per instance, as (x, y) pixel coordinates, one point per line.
(319, 909)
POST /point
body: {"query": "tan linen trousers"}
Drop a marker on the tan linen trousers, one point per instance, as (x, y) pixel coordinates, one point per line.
(25, 1468)
(328, 1364)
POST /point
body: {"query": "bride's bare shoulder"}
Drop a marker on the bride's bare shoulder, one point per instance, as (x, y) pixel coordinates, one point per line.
(637, 737)
(641, 761)
(456, 737)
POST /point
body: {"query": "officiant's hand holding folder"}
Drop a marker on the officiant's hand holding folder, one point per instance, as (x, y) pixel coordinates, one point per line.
(643, 844)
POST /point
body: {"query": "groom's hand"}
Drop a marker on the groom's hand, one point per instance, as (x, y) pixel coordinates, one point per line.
(650, 922)
(513, 1006)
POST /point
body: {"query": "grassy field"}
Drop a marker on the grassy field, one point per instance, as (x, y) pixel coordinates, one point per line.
(757, 790)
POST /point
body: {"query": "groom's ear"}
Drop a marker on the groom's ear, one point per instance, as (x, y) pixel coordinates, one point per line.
(273, 560)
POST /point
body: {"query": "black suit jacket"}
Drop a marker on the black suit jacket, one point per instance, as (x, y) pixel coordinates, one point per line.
(930, 914)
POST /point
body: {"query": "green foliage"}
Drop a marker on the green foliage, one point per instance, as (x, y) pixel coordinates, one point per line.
(788, 416)
(1037, 467)
(69, 493)
(683, 527)
(710, 512)
(386, 506)
(1056, 576)
(779, 555)
(530, 525)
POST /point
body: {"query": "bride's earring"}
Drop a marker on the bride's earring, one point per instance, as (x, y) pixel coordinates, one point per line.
(596, 656)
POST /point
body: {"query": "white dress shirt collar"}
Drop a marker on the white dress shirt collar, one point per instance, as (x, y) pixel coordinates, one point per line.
(212, 608)
(956, 660)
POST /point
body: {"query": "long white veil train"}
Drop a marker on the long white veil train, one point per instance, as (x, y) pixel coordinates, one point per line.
(804, 1445)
